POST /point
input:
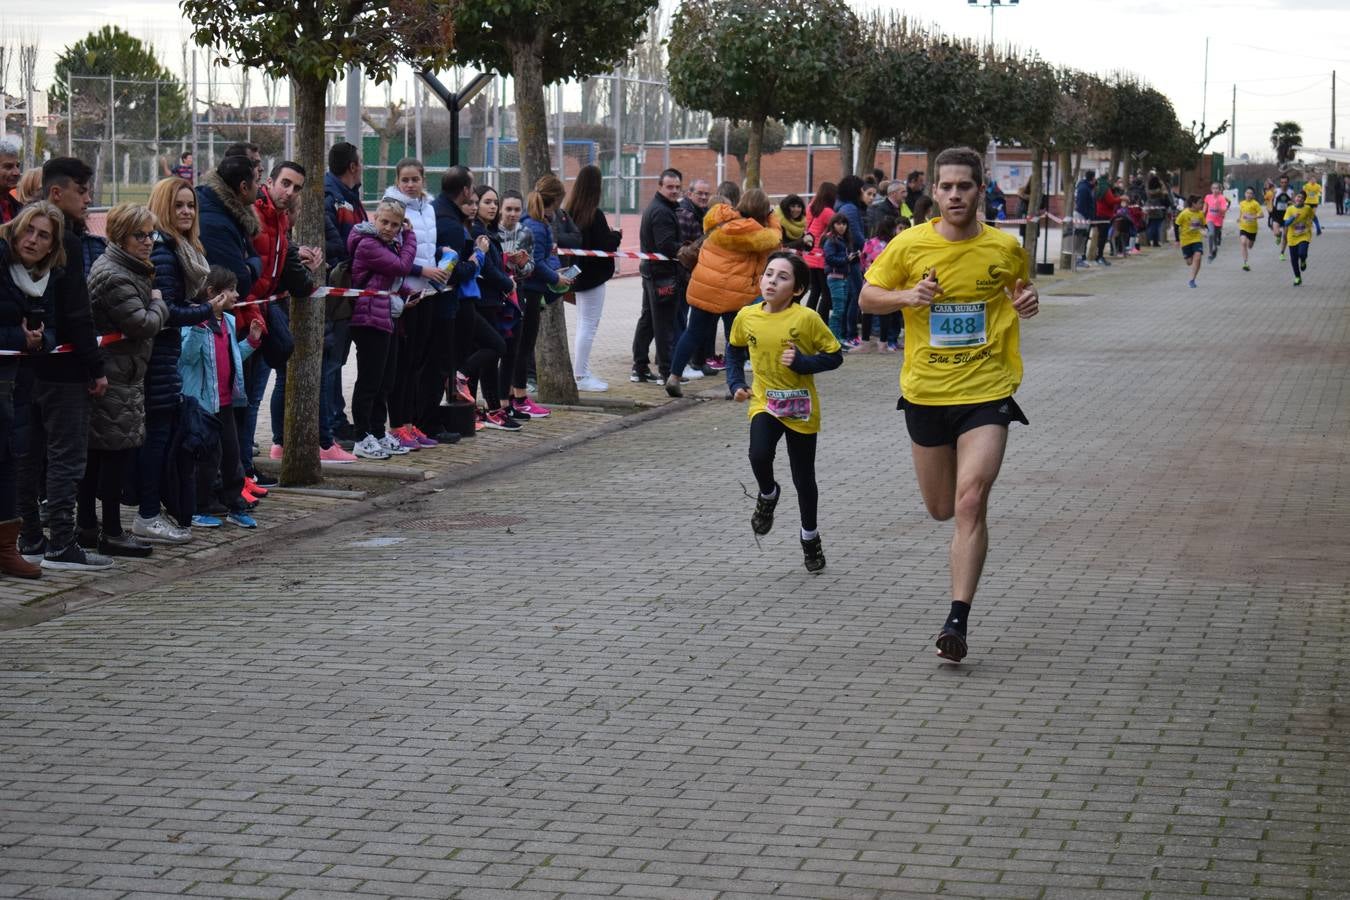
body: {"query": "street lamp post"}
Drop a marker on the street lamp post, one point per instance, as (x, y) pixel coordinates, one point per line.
(991, 5)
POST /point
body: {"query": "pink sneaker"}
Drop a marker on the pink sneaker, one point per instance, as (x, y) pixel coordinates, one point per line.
(276, 452)
(462, 388)
(531, 409)
(404, 438)
(420, 436)
(335, 454)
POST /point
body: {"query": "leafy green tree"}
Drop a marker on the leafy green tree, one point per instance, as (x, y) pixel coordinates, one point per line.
(756, 60)
(148, 104)
(737, 139)
(541, 42)
(312, 43)
(955, 107)
(1285, 139)
(1024, 91)
(883, 105)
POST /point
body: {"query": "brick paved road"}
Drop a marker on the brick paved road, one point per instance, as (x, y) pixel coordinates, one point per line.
(622, 695)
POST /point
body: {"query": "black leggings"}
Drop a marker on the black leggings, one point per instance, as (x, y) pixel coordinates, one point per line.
(376, 364)
(104, 473)
(411, 345)
(529, 333)
(765, 430)
(819, 298)
(481, 349)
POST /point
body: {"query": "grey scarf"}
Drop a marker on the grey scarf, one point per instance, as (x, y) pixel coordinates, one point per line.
(195, 268)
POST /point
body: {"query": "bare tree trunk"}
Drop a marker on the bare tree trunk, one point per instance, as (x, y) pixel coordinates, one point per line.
(478, 116)
(1032, 212)
(845, 151)
(553, 360)
(300, 465)
(1066, 248)
(753, 151)
(931, 168)
(867, 150)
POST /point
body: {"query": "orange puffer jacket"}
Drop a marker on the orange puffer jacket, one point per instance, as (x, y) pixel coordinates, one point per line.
(731, 260)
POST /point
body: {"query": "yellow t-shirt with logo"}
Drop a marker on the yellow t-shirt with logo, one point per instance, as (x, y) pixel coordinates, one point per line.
(965, 347)
(1192, 226)
(1298, 224)
(778, 390)
(1313, 190)
(1249, 216)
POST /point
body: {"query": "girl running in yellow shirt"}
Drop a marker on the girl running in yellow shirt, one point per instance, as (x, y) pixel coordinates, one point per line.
(787, 344)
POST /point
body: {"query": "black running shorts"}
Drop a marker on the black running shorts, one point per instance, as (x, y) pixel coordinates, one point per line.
(939, 426)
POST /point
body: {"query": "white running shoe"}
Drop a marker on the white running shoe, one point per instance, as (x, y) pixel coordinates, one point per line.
(691, 373)
(590, 383)
(389, 444)
(369, 448)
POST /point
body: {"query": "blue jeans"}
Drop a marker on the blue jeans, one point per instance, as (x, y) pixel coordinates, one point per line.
(256, 371)
(838, 305)
(150, 459)
(1154, 232)
(336, 337)
(702, 325)
(855, 280)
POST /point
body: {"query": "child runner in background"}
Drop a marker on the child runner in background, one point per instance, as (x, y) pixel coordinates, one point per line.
(837, 249)
(1249, 223)
(1298, 228)
(211, 365)
(382, 253)
(1216, 207)
(885, 327)
(1312, 189)
(1190, 223)
(787, 344)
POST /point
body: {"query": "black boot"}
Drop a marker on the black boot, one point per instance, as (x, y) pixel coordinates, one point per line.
(762, 521)
(814, 555)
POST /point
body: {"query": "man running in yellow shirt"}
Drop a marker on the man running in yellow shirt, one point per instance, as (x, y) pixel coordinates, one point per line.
(962, 286)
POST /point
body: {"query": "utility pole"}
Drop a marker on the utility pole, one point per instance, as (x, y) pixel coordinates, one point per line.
(1333, 109)
(352, 123)
(1232, 128)
(1204, 93)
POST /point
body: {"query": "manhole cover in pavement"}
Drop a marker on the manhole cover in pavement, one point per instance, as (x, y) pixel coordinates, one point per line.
(467, 520)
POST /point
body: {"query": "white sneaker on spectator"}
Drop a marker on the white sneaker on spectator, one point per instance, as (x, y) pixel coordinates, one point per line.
(369, 448)
(159, 530)
(691, 373)
(390, 444)
(590, 383)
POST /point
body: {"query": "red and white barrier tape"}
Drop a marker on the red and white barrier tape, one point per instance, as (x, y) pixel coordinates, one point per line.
(103, 341)
(615, 254)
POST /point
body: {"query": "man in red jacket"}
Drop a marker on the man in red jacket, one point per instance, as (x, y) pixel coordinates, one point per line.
(284, 269)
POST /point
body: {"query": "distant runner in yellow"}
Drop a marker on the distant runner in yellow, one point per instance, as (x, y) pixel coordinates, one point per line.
(1249, 224)
(1312, 189)
(1298, 226)
(962, 286)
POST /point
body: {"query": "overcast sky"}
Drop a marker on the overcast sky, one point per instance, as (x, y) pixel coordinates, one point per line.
(1278, 53)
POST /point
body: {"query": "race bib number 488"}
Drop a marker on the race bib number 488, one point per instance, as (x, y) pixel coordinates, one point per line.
(956, 325)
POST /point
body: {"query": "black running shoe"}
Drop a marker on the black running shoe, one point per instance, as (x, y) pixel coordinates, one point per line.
(951, 644)
(75, 558)
(643, 376)
(761, 522)
(815, 556)
(124, 544)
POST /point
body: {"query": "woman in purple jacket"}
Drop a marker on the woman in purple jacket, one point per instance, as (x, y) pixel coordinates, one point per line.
(382, 253)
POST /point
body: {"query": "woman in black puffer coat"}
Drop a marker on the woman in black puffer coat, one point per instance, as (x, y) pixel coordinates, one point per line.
(30, 249)
(123, 299)
(180, 274)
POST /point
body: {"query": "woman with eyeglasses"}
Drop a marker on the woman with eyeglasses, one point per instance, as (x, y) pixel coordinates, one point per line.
(124, 301)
